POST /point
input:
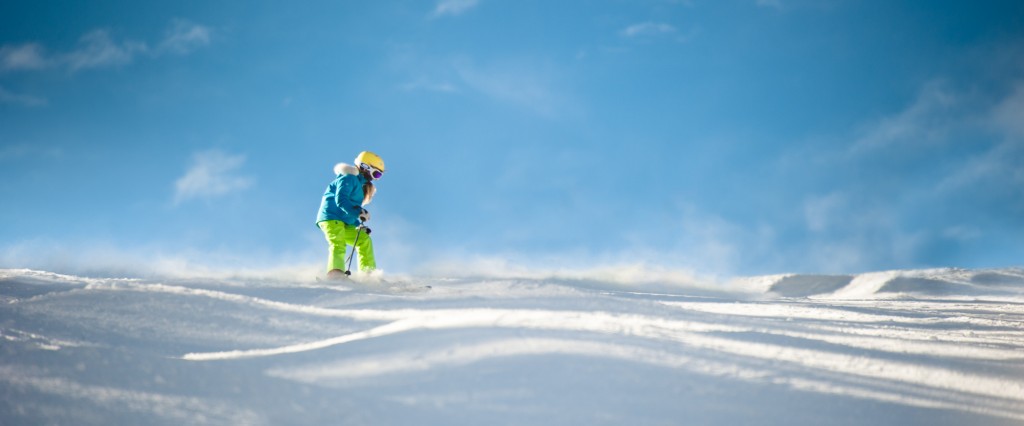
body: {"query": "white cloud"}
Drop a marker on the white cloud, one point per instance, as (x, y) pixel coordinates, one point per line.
(656, 31)
(453, 7)
(430, 86)
(424, 73)
(648, 29)
(8, 97)
(998, 165)
(184, 37)
(97, 49)
(946, 143)
(924, 121)
(28, 56)
(212, 174)
(521, 82)
(940, 117)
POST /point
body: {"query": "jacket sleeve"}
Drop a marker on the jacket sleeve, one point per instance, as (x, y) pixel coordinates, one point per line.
(345, 196)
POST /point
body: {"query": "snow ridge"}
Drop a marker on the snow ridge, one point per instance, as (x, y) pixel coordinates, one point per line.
(951, 282)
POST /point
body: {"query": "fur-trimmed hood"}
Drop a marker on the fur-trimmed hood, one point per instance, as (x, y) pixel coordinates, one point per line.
(347, 169)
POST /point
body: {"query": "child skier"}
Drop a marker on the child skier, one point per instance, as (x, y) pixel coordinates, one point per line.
(342, 213)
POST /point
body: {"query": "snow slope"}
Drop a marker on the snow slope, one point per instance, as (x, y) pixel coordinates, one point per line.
(934, 347)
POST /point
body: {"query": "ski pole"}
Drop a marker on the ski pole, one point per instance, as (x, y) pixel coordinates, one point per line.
(359, 230)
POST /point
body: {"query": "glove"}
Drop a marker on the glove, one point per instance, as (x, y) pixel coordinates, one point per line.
(364, 216)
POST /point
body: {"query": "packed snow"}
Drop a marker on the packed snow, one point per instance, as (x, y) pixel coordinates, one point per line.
(929, 347)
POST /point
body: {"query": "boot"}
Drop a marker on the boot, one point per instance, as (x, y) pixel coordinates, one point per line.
(336, 274)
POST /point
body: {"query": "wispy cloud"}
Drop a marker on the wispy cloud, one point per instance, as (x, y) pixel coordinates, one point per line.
(648, 29)
(99, 48)
(925, 120)
(656, 31)
(851, 229)
(184, 37)
(211, 174)
(524, 83)
(28, 56)
(453, 7)
(430, 86)
(927, 178)
(988, 135)
(8, 97)
(862, 218)
(999, 165)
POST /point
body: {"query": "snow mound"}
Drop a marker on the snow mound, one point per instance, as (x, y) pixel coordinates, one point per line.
(924, 283)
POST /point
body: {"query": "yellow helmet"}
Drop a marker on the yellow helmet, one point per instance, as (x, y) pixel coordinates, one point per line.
(370, 159)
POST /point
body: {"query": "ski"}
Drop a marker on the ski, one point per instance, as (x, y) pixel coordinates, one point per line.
(375, 287)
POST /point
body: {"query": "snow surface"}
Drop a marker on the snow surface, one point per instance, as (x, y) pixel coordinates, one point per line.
(933, 347)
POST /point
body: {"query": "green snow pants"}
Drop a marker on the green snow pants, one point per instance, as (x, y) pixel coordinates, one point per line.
(339, 236)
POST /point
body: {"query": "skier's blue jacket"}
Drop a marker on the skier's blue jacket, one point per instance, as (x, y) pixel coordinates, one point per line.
(343, 198)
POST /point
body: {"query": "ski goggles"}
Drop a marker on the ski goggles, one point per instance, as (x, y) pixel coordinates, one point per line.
(376, 174)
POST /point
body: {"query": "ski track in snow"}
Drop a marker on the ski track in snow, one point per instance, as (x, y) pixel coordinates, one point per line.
(941, 346)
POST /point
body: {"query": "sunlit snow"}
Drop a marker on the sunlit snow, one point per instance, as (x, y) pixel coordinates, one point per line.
(926, 347)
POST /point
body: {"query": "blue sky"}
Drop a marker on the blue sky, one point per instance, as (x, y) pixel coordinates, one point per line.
(726, 137)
